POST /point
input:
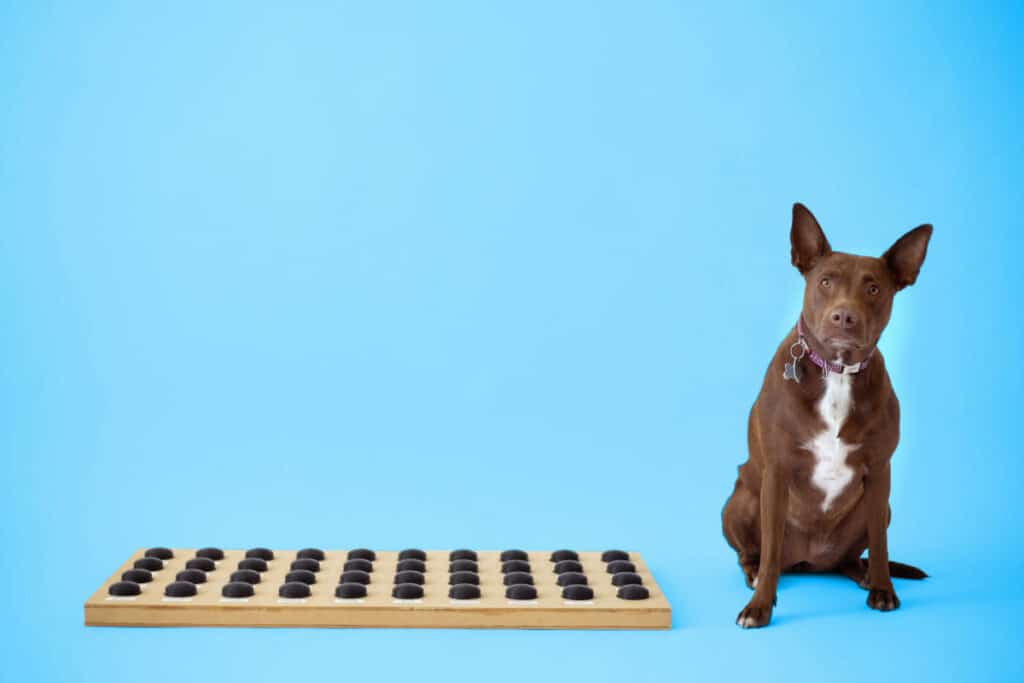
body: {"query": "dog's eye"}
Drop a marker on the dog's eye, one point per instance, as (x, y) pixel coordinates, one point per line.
(873, 290)
(825, 282)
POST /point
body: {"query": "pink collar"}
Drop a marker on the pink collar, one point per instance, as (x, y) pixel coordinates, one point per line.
(827, 366)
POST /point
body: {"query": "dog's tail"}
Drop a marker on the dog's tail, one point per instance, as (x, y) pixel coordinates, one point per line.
(898, 570)
(858, 571)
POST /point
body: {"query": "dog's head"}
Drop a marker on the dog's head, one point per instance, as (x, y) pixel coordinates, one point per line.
(848, 298)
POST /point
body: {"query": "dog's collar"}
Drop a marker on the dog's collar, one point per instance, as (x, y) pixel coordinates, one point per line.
(827, 366)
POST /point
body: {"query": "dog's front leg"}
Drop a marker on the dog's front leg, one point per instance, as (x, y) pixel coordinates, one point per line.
(774, 506)
(881, 595)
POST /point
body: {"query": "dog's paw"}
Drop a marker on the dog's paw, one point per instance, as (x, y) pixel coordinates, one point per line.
(883, 599)
(750, 575)
(754, 616)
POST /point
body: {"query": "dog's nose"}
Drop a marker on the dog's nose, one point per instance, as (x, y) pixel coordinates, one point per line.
(843, 318)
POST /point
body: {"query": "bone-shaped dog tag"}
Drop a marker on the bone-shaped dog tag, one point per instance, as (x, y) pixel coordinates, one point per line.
(791, 371)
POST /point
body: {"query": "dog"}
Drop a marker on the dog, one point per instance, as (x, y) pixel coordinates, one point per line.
(813, 494)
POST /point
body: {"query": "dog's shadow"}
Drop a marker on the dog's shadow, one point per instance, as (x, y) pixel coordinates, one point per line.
(841, 587)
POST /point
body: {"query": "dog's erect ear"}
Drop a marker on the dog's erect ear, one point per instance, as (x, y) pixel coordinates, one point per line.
(807, 239)
(904, 258)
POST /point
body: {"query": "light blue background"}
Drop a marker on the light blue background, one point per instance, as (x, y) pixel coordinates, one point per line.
(475, 275)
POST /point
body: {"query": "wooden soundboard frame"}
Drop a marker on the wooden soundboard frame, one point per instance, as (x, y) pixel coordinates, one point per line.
(378, 609)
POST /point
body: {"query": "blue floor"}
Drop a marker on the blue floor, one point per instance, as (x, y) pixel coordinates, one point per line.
(961, 624)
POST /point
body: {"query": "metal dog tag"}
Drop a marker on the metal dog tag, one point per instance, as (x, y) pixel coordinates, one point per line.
(791, 371)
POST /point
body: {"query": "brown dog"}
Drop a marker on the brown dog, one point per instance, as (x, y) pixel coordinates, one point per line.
(814, 493)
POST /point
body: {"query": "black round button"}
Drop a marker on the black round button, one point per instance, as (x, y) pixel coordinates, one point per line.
(411, 565)
(360, 565)
(412, 554)
(626, 579)
(568, 566)
(238, 589)
(362, 554)
(521, 591)
(180, 589)
(294, 590)
(245, 576)
(160, 553)
(513, 578)
(560, 555)
(616, 566)
(464, 577)
(462, 554)
(355, 576)
(137, 576)
(463, 566)
(634, 592)
(152, 564)
(578, 592)
(311, 554)
(256, 564)
(306, 563)
(124, 588)
(515, 566)
(300, 576)
(507, 555)
(191, 575)
(265, 554)
(464, 591)
(203, 564)
(572, 579)
(349, 591)
(610, 555)
(407, 591)
(215, 554)
(410, 577)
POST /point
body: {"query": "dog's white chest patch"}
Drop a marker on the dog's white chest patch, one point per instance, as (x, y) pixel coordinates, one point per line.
(831, 473)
